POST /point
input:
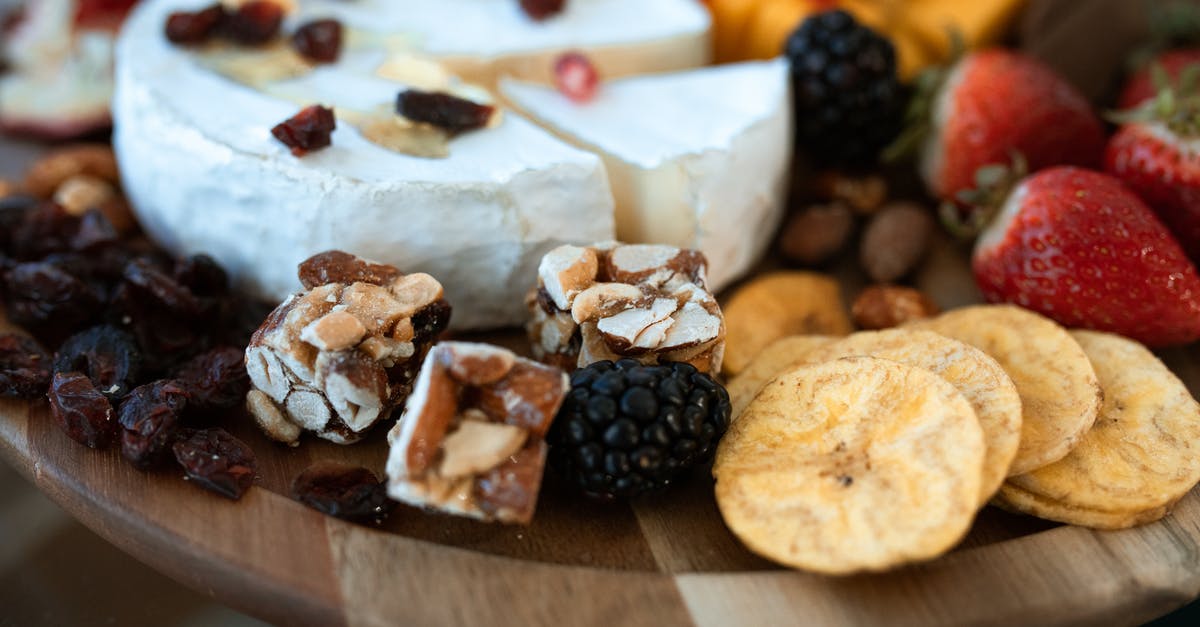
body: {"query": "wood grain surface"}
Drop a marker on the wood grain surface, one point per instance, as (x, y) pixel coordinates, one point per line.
(666, 560)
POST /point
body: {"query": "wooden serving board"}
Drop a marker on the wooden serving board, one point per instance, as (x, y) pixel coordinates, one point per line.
(666, 560)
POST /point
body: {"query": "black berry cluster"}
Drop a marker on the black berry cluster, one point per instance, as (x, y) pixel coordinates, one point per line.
(849, 103)
(626, 429)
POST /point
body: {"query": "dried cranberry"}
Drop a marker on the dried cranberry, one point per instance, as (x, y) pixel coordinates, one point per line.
(341, 490)
(149, 420)
(82, 411)
(542, 9)
(576, 77)
(82, 267)
(156, 285)
(319, 41)
(94, 268)
(165, 317)
(308, 130)
(95, 231)
(215, 380)
(13, 210)
(335, 266)
(253, 23)
(49, 302)
(443, 110)
(429, 322)
(194, 27)
(24, 367)
(202, 275)
(73, 263)
(217, 461)
(107, 355)
(47, 229)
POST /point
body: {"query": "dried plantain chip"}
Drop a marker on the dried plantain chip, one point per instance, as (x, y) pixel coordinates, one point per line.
(1142, 454)
(773, 360)
(859, 464)
(991, 393)
(1021, 501)
(1060, 396)
(777, 305)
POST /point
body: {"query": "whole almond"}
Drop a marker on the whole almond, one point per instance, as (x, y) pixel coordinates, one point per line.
(864, 194)
(816, 233)
(82, 192)
(887, 306)
(46, 174)
(895, 240)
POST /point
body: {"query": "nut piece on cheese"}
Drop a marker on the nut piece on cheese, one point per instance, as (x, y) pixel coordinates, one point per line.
(338, 357)
(471, 440)
(697, 159)
(608, 301)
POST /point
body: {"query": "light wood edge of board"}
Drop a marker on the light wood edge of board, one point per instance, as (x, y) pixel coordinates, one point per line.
(365, 577)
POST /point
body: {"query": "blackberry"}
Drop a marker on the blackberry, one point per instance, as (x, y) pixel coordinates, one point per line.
(626, 429)
(849, 103)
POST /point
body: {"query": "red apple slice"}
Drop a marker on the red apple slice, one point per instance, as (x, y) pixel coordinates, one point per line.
(59, 81)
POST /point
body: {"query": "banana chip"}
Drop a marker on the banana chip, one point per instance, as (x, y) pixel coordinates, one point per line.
(858, 464)
(773, 360)
(778, 305)
(1060, 396)
(989, 390)
(1020, 501)
(1142, 455)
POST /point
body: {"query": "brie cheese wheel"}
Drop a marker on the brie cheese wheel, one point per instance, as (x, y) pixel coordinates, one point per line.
(204, 174)
(481, 40)
(697, 159)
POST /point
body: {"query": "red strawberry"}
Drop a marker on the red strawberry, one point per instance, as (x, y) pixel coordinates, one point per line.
(997, 102)
(1140, 86)
(65, 94)
(1157, 153)
(1164, 169)
(1080, 247)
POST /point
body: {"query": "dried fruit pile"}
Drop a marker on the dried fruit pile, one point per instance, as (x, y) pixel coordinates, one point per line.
(147, 350)
(986, 403)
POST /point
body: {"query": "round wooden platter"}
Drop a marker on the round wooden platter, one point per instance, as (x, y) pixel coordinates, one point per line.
(667, 560)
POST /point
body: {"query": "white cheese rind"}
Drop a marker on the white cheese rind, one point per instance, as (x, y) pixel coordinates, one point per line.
(697, 159)
(482, 40)
(204, 175)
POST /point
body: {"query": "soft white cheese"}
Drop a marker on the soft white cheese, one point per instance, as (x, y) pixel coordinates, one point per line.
(482, 40)
(204, 174)
(697, 159)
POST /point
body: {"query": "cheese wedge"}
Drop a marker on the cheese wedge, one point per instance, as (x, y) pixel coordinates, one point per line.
(697, 159)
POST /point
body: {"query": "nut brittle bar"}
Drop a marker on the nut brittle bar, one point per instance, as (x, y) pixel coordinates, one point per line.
(471, 440)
